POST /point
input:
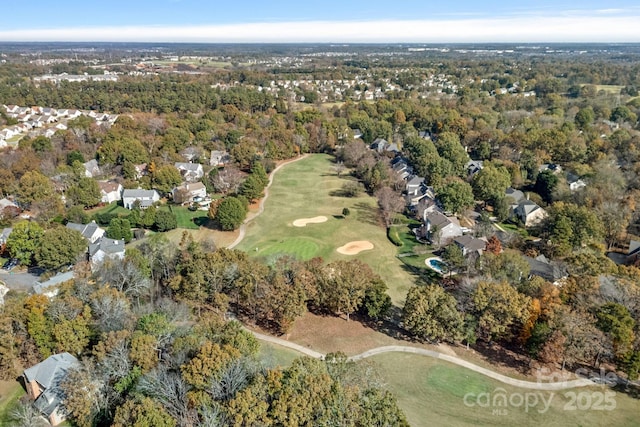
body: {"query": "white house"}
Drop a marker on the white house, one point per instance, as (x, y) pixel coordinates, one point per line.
(146, 198)
(92, 231)
(191, 172)
(111, 191)
(49, 288)
(91, 168)
(106, 248)
(529, 213)
(440, 229)
(189, 192)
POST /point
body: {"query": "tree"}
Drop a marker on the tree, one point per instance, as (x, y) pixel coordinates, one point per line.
(33, 186)
(342, 286)
(508, 265)
(454, 257)
(165, 221)
(493, 245)
(546, 183)
(572, 226)
(614, 319)
(455, 195)
(24, 240)
(85, 193)
(500, 309)
(59, 247)
(142, 412)
(120, 228)
(41, 144)
(227, 180)
(430, 313)
(377, 302)
(231, 213)
(491, 183)
(252, 188)
(584, 118)
(165, 178)
(449, 148)
(390, 204)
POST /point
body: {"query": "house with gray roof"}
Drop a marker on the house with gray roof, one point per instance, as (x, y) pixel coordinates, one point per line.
(219, 158)
(542, 267)
(49, 287)
(5, 235)
(91, 169)
(145, 198)
(106, 248)
(529, 213)
(92, 231)
(470, 245)
(191, 172)
(439, 228)
(515, 195)
(43, 385)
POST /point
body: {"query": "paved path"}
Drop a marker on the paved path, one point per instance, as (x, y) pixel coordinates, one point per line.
(252, 216)
(546, 386)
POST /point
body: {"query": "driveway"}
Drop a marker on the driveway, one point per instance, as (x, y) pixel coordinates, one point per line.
(20, 280)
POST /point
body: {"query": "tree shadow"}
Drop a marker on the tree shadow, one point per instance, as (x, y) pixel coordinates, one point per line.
(203, 221)
(367, 213)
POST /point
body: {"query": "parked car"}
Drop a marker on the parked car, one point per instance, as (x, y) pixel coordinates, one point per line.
(10, 265)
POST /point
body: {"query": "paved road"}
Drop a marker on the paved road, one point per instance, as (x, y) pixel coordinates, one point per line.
(251, 217)
(547, 386)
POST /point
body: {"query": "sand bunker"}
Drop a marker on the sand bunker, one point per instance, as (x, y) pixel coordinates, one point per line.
(354, 248)
(302, 222)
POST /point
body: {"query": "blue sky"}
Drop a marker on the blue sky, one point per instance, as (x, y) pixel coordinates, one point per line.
(327, 21)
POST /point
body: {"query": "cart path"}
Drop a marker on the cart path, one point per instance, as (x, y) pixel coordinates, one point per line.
(546, 386)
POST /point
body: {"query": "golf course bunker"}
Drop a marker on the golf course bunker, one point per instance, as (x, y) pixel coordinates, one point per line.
(354, 248)
(302, 222)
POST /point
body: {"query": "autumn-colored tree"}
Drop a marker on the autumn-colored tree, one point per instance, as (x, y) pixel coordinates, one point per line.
(430, 313)
(500, 308)
(493, 245)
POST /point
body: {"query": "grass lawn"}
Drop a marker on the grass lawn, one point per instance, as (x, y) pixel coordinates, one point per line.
(274, 356)
(114, 208)
(10, 392)
(304, 189)
(190, 220)
(432, 393)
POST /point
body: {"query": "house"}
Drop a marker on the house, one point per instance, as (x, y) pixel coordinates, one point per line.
(189, 192)
(470, 246)
(191, 152)
(92, 231)
(556, 169)
(145, 198)
(575, 183)
(49, 288)
(515, 195)
(141, 170)
(110, 191)
(5, 235)
(91, 169)
(425, 134)
(42, 382)
(191, 172)
(357, 133)
(632, 255)
(414, 184)
(379, 145)
(529, 213)
(106, 248)
(439, 228)
(6, 203)
(541, 267)
(219, 158)
(473, 167)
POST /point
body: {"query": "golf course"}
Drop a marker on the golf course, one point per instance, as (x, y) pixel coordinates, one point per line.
(305, 192)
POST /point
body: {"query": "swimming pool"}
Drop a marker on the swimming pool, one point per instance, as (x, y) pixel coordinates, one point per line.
(437, 264)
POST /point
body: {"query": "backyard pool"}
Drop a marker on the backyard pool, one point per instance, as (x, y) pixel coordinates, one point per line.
(437, 264)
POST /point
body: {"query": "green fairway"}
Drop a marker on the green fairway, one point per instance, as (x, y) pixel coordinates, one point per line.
(432, 393)
(304, 189)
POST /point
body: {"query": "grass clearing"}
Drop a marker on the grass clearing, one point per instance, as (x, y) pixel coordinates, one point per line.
(10, 393)
(432, 392)
(190, 220)
(113, 208)
(304, 189)
(275, 356)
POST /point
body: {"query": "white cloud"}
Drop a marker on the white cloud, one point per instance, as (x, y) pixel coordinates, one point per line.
(531, 28)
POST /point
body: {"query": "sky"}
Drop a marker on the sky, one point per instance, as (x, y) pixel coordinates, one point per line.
(330, 21)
